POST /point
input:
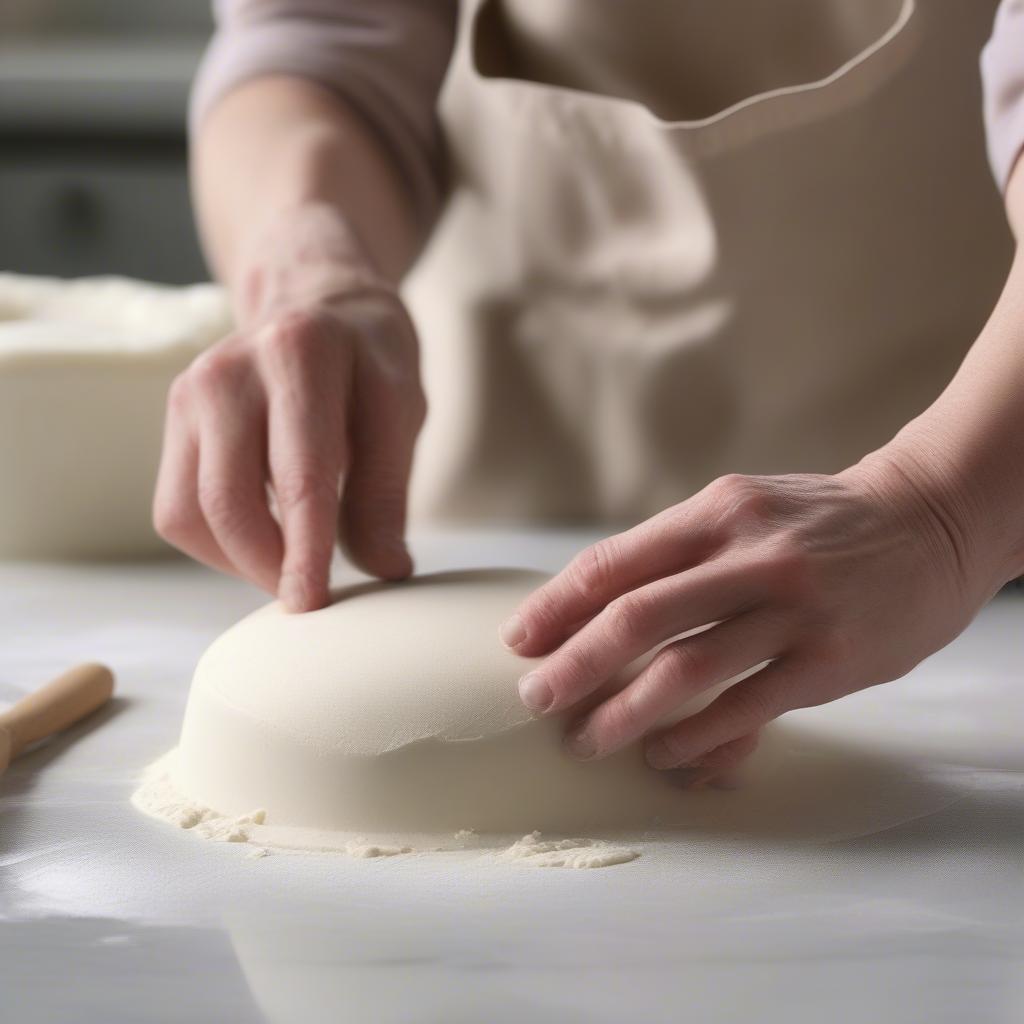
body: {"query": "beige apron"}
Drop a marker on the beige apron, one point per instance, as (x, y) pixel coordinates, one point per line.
(696, 237)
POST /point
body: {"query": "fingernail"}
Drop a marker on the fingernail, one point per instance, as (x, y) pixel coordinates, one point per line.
(290, 592)
(580, 745)
(294, 594)
(660, 757)
(513, 632)
(535, 693)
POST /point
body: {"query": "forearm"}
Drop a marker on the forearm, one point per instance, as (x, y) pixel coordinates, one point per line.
(969, 444)
(1015, 201)
(277, 144)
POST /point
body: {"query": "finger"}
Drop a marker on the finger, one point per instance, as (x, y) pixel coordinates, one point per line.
(634, 624)
(176, 512)
(678, 673)
(720, 768)
(232, 475)
(386, 422)
(742, 709)
(660, 547)
(308, 380)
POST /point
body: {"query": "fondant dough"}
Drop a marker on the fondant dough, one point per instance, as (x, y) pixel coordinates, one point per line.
(394, 712)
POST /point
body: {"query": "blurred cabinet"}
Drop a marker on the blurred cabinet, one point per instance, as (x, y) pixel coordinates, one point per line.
(93, 97)
(105, 17)
(116, 209)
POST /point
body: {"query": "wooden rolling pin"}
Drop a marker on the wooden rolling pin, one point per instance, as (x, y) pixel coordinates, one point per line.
(57, 706)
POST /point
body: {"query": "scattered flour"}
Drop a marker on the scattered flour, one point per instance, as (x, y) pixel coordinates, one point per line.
(158, 797)
(567, 853)
(363, 849)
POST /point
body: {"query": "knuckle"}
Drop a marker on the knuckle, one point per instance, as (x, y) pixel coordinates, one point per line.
(207, 373)
(575, 671)
(683, 661)
(622, 718)
(749, 704)
(223, 506)
(652, 691)
(173, 520)
(213, 372)
(304, 484)
(292, 334)
(179, 394)
(741, 499)
(544, 615)
(730, 488)
(624, 617)
(540, 609)
(591, 570)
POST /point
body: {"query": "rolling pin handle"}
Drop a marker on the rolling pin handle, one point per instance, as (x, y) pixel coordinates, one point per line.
(57, 706)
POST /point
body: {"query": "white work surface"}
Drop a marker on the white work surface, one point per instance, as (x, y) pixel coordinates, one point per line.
(106, 916)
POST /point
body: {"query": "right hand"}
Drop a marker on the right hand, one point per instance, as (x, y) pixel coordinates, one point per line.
(316, 398)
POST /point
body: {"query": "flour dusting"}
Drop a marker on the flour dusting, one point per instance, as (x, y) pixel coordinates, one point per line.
(159, 797)
(362, 849)
(567, 853)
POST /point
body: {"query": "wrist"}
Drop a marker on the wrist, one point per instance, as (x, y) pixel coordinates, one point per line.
(977, 510)
(302, 256)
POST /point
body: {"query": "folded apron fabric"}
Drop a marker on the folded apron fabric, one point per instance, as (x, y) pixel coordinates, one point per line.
(692, 238)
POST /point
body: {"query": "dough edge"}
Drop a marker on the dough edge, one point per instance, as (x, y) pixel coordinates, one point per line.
(158, 797)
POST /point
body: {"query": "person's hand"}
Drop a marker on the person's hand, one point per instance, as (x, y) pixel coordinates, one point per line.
(315, 400)
(837, 582)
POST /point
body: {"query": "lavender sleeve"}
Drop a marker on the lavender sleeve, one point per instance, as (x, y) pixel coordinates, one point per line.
(386, 57)
(1002, 69)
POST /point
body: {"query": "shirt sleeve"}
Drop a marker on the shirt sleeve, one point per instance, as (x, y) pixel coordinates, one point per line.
(386, 57)
(1002, 70)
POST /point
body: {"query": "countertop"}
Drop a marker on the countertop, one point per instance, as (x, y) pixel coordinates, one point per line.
(900, 899)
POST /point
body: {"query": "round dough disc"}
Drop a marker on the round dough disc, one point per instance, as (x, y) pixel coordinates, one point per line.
(395, 711)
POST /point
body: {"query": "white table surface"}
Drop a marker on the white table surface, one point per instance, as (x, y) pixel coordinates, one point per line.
(913, 911)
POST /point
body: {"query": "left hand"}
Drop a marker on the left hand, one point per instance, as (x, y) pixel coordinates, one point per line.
(838, 582)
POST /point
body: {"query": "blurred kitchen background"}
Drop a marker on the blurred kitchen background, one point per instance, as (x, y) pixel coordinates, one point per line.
(93, 97)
